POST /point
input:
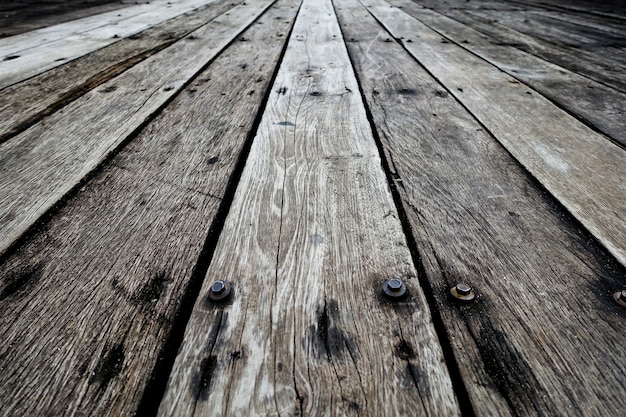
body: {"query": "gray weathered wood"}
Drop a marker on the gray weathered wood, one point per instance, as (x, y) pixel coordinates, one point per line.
(87, 304)
(20, 64)
(311, 236)
(596, 67)
(543, 337)
(23, 104)
(588, 100)
(582, 169)
(39, 166)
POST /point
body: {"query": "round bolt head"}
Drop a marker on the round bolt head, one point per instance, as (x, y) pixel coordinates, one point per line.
(394, 289)
(463, 292)
(620, 298)
(219, 290)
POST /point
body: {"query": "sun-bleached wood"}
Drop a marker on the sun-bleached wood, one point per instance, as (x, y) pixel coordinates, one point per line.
(23, 104)
(588, 100)
(88, 304)
(39, 166)
(19, 65)
(543, 337)
(311, 236)
(582, 169)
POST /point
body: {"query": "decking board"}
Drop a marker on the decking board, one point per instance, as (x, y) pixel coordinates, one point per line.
(310, 238)
(42, 164)
(90, 302)
(476, 216)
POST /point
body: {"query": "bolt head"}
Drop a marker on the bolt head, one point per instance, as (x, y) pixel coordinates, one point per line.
(219, 290)
(620, 298)
(463, 292)
(622, 295)
(394, 289)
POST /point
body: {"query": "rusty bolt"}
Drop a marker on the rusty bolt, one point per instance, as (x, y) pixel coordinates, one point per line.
(394, 289)
(219, 290)
(620, 297)
(463, 292)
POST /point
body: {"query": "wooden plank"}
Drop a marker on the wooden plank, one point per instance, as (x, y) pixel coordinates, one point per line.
(591, 102)
(23, 104)
(543, 337)
(582, 169)
(35, 38)
(25, 63)
(39, 166)
(311, 236)
(594, 67)
(89, 303)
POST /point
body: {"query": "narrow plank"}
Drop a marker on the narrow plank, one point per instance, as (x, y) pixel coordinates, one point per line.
(39, 166)
(88, 304)
(590, 101)
(21, 65)
(310, 237)
(594, 67)
(19, 16)
(582, 169)
(35, 38)
(542, 338)
(23, 104)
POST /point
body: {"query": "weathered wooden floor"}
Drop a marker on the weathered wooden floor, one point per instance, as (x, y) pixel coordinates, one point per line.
(307, 151)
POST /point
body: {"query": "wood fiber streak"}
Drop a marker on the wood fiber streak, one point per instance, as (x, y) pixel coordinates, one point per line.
(311, 236)
(88, 303)
(582, 169)
(22, 60)
(588, 100)
(23, 104)
(602, 68)
(543, 337)
(39, 166)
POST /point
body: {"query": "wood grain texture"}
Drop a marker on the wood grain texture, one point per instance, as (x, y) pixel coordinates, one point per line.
(582, 169)
(20, 64)
(23, 104)
(39, 166)
(599, 68)
(544, 337)
(87, 305)
(311, 236)
(594, 103)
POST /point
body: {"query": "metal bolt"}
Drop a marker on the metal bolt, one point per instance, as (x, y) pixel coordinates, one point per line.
(463, 292)
(394, 289)
(219, 290)
(620, 297)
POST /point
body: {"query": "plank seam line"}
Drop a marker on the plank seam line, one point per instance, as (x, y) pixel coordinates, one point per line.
(93, 82)
(156, 386)
(449, 357)
(580, 118)
(570, 221)
(106, 160)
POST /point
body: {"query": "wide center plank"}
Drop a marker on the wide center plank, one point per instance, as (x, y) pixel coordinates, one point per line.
(310, 238)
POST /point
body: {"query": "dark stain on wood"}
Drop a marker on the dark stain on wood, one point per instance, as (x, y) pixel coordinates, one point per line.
(204, 376)
(152, 290)
(404, 350)
(213, 160)
(333, 342)
(20, 281)
(441, 93)
(109, 367)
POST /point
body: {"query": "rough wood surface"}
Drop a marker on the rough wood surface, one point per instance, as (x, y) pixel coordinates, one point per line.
(23, 104)
(544, 338)
(87, 305)
(592, 102)
(599, 68)
(19, 16)
(582, 169)
(311, 236)
(22, 62)
(46, 161)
